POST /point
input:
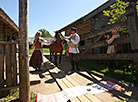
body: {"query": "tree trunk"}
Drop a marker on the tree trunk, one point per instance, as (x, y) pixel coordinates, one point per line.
(23, 52)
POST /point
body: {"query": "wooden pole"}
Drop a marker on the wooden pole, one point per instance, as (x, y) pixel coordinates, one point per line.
(23, 52)
(133, 29)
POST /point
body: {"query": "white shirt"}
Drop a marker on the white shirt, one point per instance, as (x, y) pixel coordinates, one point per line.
(43, 41)
(74, 41)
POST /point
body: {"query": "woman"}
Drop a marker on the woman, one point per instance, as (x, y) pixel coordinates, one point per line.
(37, 58)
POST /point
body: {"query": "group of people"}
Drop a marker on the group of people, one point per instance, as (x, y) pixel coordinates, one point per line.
(73, 44)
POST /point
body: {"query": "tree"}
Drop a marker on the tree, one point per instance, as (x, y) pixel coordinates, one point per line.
(116, 11)
(45, 33)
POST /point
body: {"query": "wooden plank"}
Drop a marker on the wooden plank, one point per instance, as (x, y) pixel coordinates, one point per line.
(119, 41)
(128, 56)
(106, 29)
(23, 52)
(60, 82)
(73, 82)
(47, 85)
(81, 80)
(1, 68)
(5, 42)
(103, 97)
(91, 97)
(14, 64)
(9, 88)
(34, 82)
(5, 32)
(63, 84)
(82, 98)
(95, 41)
(8, 65)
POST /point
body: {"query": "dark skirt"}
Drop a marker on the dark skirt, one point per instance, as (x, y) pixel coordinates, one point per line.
(36, 59)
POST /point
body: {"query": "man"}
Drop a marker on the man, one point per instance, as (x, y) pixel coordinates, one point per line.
(73, 43)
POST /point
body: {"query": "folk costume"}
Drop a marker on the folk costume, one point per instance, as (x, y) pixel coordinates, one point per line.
(73, 45)
(109, 41)
(37, 58)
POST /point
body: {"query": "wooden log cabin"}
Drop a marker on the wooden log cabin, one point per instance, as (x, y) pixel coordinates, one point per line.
(92, 28)
(8, 58)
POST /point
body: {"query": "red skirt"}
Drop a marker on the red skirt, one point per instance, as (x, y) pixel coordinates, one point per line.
(36, 59)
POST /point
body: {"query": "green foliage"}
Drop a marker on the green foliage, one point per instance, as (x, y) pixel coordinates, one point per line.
(115, 13)
(116, 10)
(45, 33)
(124, 31)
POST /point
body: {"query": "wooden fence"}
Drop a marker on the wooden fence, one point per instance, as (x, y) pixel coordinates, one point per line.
(8, 66)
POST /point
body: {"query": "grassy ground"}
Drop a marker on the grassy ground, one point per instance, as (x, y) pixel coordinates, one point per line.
(12, 97)
(104, 69)
(45, 51)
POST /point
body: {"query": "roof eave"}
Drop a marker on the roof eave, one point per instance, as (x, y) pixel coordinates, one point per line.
(6, 19)
(90, 15)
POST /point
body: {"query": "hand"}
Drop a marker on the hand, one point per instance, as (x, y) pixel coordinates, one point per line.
(69, 39)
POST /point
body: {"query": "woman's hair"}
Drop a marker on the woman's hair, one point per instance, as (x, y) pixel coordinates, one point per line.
(37, 35)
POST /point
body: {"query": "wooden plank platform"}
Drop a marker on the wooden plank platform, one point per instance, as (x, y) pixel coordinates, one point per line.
(47, 85)
(56, 79)
(66, 81)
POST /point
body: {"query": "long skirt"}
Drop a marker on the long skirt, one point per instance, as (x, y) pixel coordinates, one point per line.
(36, 59)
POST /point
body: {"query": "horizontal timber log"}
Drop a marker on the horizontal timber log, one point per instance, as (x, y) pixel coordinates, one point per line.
(5, 42)
(9, 88)
(122, 40)
(128, 56)
(106, 29)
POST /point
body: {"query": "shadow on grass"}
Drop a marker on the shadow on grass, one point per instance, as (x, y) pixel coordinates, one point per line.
(120, 70)
(123, 72)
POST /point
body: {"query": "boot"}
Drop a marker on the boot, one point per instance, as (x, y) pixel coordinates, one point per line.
(72, 65)
(77, 66)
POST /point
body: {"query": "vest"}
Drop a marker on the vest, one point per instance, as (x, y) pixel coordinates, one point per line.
(38, 44)
(73, 37)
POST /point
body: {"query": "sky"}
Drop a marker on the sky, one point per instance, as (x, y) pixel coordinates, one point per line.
(51, 14)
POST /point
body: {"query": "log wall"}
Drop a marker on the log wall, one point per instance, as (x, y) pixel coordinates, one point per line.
(8, 65)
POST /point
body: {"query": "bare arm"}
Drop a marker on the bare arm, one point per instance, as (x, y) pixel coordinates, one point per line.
(43, 41)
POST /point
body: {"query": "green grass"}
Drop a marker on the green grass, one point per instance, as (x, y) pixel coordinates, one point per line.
(45, 51)
(15, 96)
(102, 68)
